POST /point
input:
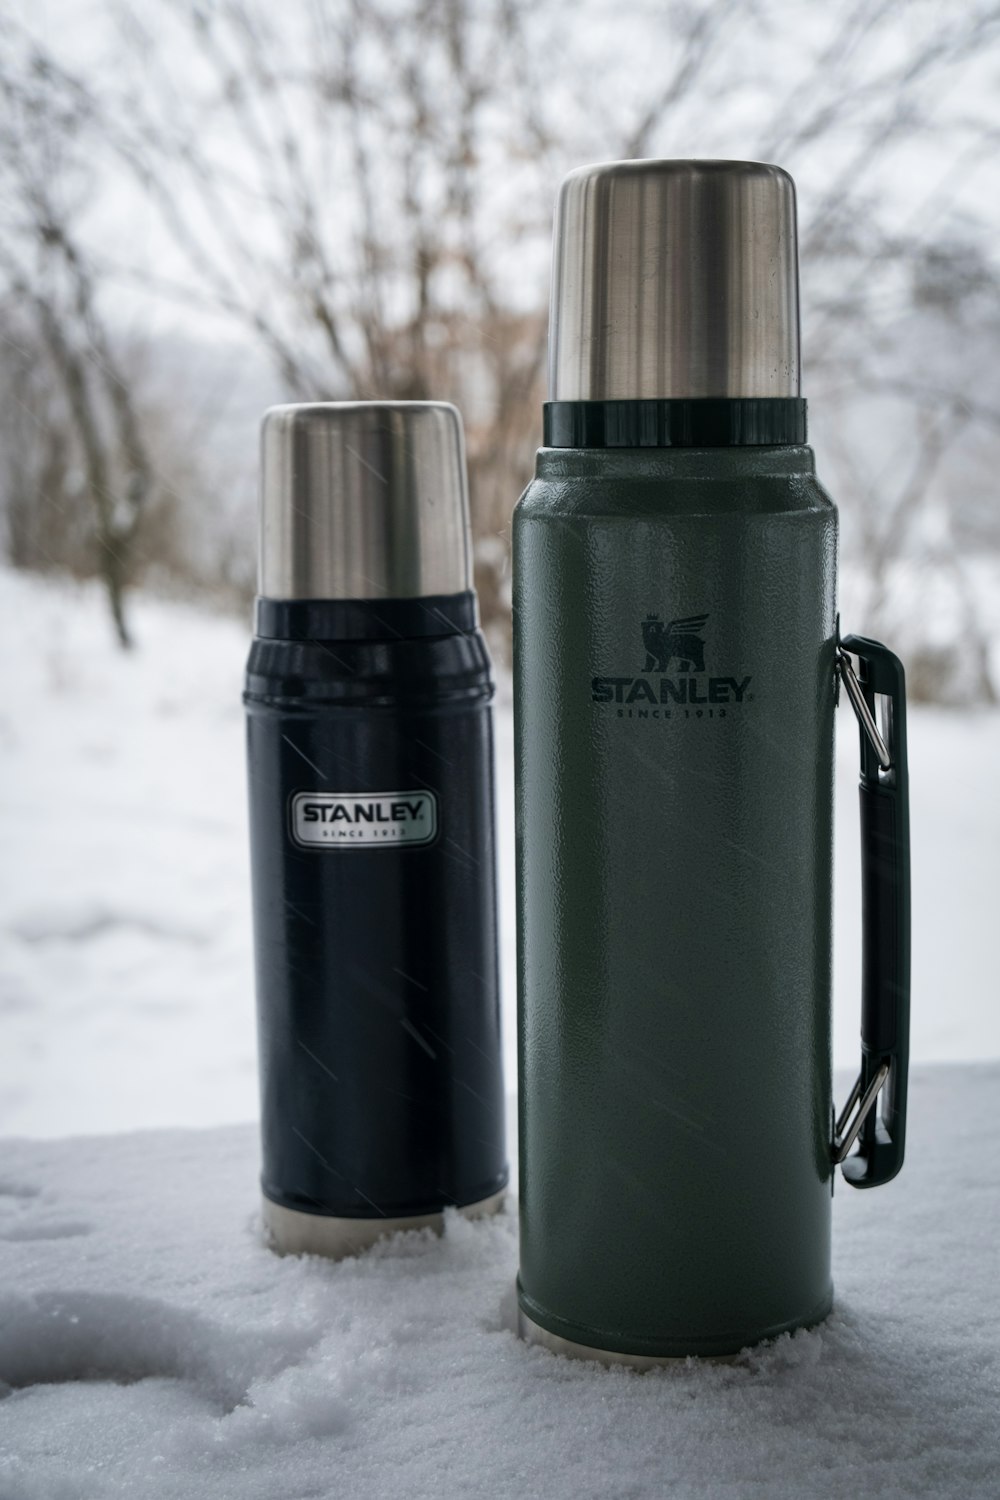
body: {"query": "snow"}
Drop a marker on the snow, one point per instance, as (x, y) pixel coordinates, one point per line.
(126, 994)
(155, 1348)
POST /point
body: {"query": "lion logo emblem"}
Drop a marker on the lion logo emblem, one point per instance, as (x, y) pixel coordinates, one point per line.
(680, 640)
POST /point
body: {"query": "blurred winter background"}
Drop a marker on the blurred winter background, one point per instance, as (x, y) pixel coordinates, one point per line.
(209, 207)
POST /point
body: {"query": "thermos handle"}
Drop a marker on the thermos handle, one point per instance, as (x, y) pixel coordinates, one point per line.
(878, 695)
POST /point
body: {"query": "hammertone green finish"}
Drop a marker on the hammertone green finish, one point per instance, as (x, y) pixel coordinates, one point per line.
(674, 895)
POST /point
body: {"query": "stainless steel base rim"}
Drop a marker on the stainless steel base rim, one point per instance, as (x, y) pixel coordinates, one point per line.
(533, 1333)
(289, 1232)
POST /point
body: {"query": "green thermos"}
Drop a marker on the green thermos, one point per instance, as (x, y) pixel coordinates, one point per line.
(677, 667)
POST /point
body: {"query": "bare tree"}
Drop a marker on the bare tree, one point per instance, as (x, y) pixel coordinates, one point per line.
(364, 190)
(51, 276)
(347, 232)
(44, 527)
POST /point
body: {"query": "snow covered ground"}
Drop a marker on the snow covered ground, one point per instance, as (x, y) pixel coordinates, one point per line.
(149, 1345)
(125, 973)
(156, 1350)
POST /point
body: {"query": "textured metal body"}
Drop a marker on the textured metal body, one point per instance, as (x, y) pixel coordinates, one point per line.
(363, 500)
(674, 812)
(377, 991)
(674, 279)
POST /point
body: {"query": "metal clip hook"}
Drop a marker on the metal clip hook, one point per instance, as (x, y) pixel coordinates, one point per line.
(862, 710)
(842, 1143)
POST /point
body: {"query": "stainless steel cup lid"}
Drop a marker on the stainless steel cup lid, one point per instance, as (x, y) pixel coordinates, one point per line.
(674, 279)
(363, 500)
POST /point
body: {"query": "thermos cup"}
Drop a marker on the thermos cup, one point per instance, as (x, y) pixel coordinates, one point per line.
(677, 665)
(368, 698)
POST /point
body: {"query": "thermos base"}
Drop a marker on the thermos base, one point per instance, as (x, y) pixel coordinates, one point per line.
(533, 1333)
(288, 1232)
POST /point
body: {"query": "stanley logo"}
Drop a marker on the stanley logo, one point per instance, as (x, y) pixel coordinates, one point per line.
(349, 820)
(679, 645)
(680, 639)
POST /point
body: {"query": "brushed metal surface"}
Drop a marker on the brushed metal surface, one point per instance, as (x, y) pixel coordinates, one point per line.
(533, 1333)
(288, 1232)
(363, 500)
(674, 279)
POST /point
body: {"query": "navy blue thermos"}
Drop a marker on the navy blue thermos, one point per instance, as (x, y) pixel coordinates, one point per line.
(369, 741)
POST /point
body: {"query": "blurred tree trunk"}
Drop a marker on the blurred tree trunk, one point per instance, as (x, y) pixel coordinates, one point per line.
(56, 283)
